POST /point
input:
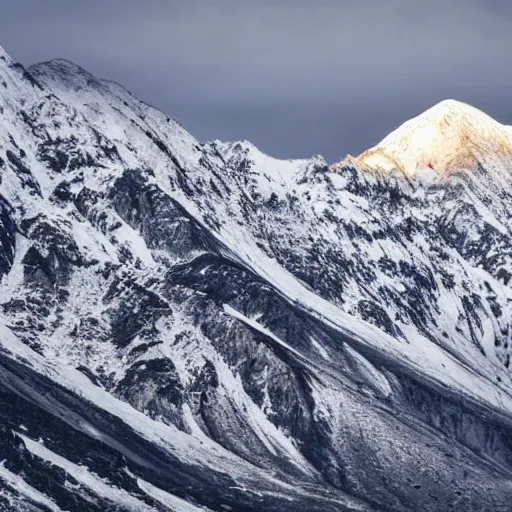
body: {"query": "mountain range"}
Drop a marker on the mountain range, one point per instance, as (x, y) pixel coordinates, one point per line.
(191, 326)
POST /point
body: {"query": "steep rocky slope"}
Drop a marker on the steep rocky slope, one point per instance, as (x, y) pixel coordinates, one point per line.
(193, 326)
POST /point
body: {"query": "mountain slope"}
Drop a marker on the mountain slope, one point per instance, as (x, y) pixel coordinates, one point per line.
(193, 326)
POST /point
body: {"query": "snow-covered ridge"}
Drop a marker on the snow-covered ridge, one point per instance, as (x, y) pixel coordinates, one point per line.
(193, 325)
(448, 137)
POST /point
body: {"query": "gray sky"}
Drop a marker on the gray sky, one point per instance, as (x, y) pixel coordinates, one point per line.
(296, 77)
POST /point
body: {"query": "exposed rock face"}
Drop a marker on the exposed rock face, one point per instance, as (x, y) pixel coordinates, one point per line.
(189, 326)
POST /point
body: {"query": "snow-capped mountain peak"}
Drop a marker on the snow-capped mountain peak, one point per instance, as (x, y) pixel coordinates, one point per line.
(448, 137)
(188, 326)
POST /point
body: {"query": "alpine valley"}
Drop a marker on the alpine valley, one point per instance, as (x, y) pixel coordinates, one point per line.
(192, 326)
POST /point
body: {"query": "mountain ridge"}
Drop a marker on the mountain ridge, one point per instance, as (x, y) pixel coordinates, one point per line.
(203, 326)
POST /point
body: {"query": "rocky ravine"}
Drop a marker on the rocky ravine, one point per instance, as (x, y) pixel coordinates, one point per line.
(191, 326)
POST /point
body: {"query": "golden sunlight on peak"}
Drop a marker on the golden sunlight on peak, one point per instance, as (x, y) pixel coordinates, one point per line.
(448, 137)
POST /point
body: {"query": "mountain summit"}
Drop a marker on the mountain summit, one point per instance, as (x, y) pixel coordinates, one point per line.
(190, 326)
(446, 138)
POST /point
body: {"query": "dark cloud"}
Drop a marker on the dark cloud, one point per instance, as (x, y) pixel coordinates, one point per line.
(296, 77)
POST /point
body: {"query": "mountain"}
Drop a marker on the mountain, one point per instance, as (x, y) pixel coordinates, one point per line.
(446, 138)
(195, 326)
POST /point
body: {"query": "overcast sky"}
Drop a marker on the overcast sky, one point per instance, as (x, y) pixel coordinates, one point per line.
(296, 77)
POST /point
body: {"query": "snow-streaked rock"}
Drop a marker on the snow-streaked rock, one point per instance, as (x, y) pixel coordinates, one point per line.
(190, 326)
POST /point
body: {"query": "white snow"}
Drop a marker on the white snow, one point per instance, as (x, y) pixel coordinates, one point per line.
(99, 486)
(256, 325)
(168, 500)
(17, 483)
(449, 137)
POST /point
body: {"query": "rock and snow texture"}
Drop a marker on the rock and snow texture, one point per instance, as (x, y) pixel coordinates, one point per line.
(189, 326)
